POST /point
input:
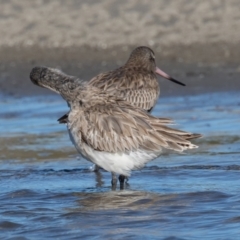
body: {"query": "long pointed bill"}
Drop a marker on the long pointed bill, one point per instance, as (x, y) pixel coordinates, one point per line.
(163, 74)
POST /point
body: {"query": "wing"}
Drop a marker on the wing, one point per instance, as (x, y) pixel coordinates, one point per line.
(144, 98)
(105, 81)
(115, 128)
(138, 88)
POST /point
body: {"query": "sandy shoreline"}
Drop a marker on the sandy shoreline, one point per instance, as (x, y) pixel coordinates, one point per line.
(200, 74)
(108, 23)
(196, 42)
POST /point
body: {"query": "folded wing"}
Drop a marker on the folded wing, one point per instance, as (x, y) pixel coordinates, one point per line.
(121, 128)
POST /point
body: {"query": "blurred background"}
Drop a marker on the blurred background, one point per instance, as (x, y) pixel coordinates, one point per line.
(47, 189)
(193, 40)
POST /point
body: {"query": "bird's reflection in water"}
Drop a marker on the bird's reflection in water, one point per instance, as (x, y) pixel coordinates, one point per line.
(132, 200)
(99, 179)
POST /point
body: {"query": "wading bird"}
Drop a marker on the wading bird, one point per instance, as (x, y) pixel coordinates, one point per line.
(109, 131)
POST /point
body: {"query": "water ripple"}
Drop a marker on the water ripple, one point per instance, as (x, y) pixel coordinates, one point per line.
(47, 192)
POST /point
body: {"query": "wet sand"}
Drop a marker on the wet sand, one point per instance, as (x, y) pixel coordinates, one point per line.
(48, 191)
(200, 74)
(195, 42)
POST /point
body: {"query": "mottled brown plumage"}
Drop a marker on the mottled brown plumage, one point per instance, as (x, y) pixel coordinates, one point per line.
(108, 130)
(106, 123)
(135, 82)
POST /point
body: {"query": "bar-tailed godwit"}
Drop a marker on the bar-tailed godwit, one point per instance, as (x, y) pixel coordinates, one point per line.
(135, 82)
(109, 131)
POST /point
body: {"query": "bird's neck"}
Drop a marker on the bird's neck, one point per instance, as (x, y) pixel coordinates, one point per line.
(139, 66)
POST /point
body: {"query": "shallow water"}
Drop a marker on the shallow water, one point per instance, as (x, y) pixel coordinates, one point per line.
(48, 192)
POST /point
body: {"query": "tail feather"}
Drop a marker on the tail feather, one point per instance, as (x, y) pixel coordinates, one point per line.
(192, 136)
(177, 140)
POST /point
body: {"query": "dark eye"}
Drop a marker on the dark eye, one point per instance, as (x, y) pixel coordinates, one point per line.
(80, 103)
(151, 58)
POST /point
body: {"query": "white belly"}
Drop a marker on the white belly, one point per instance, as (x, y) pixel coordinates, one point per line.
(119, 163)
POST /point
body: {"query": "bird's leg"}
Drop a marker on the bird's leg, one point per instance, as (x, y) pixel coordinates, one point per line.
(121, 180)
(95, 168)
(114, 181)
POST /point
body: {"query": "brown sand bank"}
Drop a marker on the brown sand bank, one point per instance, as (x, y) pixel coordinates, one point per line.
(195, 41)
(200, 76)
(108, 23)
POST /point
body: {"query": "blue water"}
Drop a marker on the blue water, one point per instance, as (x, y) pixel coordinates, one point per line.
(48, 191)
